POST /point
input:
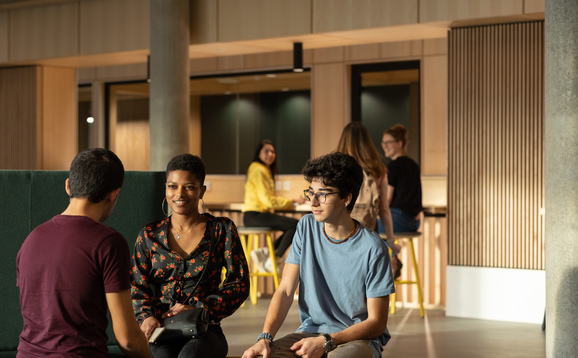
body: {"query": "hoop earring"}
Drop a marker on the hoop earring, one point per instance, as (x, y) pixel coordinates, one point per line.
(203, 206)
(163, 206)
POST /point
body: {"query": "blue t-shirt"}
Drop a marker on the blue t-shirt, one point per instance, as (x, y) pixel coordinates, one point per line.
(337, 279)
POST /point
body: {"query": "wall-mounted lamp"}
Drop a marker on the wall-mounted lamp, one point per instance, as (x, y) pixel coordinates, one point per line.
(297, 57)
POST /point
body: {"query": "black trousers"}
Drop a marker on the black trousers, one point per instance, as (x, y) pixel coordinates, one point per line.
(278, 222)
(212, 345)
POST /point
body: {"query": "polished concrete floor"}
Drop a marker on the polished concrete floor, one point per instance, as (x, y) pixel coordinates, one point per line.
(435, 336)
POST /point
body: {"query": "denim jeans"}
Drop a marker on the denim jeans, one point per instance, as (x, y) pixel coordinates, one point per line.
(401, 222)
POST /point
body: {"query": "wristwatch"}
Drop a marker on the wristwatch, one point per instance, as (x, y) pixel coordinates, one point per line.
(329, 344)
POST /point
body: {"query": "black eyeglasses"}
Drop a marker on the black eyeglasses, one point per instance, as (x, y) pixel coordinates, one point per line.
(321, 197)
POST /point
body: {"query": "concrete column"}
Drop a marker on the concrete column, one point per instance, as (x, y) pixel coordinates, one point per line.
(169, 75)
(561, 177)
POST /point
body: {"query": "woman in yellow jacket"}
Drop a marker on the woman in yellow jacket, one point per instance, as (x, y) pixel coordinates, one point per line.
(261, 203)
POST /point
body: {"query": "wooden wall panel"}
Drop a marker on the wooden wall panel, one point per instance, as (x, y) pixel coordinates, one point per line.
(4, 49)
(329, 114)
(496, 146)
(133, 144)
(44, 32)
(343, 15)
(403, 49)
(18, 118)
(534, 6)
(131, 141)
(434, 112)
(257, 19)
(272, 59)
(328, 55)
(38, 123)
(368, 52)
(451, 10)
(112, 25)
(59, 117)
(435, 47)
(204, 17)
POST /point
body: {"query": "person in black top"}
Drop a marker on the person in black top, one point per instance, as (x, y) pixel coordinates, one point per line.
(404, 191)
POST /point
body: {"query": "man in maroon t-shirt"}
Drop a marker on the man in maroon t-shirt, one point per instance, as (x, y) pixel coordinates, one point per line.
(73, 268)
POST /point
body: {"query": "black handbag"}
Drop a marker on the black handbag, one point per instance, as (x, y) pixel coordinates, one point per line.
(188, 324)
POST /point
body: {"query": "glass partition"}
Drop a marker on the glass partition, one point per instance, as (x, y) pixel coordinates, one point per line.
(385, 94)
(235, 113)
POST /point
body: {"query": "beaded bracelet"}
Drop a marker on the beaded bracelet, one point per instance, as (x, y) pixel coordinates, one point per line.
(266, 336)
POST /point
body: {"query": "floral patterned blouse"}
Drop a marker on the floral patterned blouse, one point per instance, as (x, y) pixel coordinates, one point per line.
(161, 277)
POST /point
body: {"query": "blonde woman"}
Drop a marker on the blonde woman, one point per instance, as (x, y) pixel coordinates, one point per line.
(355, 141)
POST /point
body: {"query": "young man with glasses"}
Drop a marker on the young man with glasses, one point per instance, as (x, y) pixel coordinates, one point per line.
(342, 269)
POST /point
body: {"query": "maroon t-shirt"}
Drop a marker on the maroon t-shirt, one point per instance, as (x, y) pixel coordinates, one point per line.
(64, 269)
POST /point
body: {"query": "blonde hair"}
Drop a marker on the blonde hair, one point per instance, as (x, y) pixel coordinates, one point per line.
(356, 141)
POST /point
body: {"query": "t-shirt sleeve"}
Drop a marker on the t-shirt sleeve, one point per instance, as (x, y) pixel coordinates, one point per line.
(114, 258)
(294, 256)
(379, 280)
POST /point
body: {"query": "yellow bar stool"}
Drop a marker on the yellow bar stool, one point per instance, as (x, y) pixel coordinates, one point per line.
(409, 236)
(250, 241)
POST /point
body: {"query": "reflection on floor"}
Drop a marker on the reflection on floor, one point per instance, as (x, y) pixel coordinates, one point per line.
(435, 336)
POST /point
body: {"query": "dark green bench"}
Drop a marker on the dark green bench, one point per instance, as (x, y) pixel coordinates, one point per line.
(29, 198)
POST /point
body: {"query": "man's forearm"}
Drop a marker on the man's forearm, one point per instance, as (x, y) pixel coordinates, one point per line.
(277, 312)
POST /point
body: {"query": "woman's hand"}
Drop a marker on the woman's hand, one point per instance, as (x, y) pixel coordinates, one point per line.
(309, 347)
(176, 309)
(149, 325)
(299, 200)
(396, 248)
(261, 348)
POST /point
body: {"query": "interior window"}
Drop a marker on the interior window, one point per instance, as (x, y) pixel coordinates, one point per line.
(386, 94)
(236, 112)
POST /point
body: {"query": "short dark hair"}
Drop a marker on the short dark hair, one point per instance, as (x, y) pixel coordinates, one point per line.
(94, 173)
(190, 163)
(337, 170)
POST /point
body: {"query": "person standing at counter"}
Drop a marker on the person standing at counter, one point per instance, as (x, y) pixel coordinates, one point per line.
(261, 202)
(404, 190)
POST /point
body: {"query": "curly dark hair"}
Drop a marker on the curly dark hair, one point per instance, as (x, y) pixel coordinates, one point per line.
(94, 173)
(337, 170)
(190, 163)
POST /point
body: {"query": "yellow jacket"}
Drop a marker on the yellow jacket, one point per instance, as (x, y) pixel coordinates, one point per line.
(260, 191)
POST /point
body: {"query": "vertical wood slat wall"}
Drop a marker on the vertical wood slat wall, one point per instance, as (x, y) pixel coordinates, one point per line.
(496, 146)
(19, 118)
